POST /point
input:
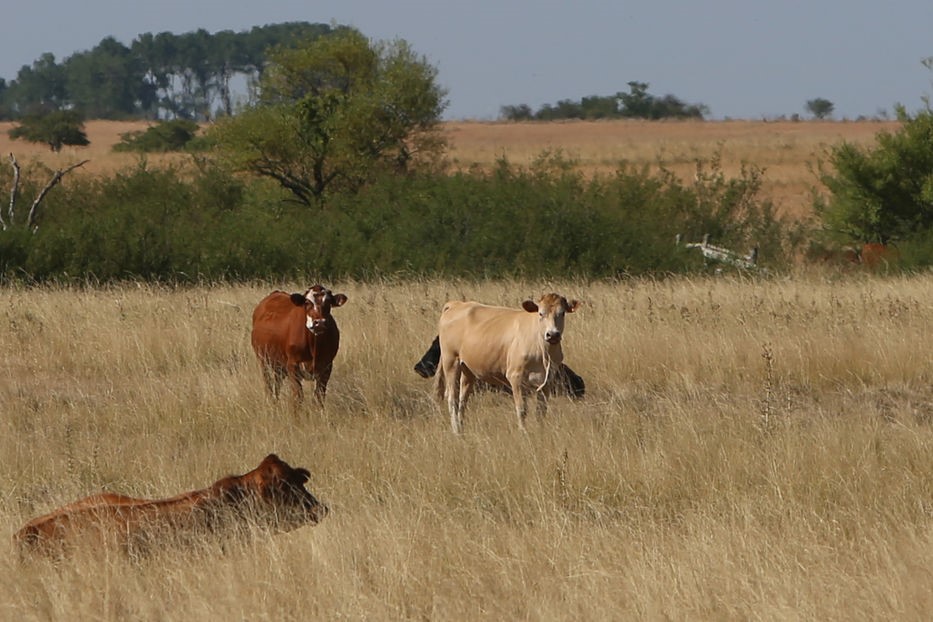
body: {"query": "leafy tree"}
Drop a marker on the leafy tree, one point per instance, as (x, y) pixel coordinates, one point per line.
(638, 103)
(55, 129)
(885, 193)
(820, 108)
(5, 112)
(564, 109)
(166, 136)
(107, 81)
(38, 88)
(598, 107)
(521, 112)
(334, 112)
(157, 76)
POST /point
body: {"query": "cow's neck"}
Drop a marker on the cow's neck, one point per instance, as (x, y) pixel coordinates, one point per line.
(554, 352)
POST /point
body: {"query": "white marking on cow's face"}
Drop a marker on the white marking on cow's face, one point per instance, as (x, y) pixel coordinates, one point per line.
(315, 324)
(319, 301)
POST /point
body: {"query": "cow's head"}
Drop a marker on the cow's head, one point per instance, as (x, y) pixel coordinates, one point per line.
(274, 494)
(318, 301)
(551, 310)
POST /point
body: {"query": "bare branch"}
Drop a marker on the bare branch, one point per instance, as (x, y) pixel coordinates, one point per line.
(57, 177)
(13, 192)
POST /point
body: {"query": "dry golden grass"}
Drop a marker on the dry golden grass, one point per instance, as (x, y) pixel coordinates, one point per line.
(748, 449)
(786, 150)
(103, 135)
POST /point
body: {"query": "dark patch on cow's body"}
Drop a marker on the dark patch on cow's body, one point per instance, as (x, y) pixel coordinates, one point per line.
(568, 382)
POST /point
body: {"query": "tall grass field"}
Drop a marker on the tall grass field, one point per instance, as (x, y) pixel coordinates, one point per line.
(747, 449)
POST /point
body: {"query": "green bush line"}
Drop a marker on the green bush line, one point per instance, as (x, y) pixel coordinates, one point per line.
(191, 224)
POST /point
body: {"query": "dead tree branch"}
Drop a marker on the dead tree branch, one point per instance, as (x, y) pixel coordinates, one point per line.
(57, 177)
(13, 192)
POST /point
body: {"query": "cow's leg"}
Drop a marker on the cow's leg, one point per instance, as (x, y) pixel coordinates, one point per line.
(277, 376)
(320, 384)
(452, 388)
(467, 382)
(518, 394)
(269, 378)
(541, 404)
(294, 378)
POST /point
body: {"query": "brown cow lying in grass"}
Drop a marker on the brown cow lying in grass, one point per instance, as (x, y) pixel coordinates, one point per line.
(271, 496)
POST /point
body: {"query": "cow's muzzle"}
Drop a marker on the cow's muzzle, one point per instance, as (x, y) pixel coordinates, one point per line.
(552, 338)
(318, 512)
(317, 326)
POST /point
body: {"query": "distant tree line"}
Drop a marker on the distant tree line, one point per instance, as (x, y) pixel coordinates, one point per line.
(638, 103)
(158, 76)
(348, 128)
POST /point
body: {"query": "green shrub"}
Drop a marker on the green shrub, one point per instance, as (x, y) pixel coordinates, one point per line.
(882, 194)
(192, 223)
(162, 137)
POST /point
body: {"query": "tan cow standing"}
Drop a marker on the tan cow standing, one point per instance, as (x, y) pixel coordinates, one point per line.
(518, 347)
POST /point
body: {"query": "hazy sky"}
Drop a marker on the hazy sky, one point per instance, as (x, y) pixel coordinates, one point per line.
(742, 58)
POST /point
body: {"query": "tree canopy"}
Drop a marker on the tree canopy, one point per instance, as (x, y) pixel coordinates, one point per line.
(638, 103)
(882, 194)
(164, 75)
(333, 113)
(820, 108)
(55, 129)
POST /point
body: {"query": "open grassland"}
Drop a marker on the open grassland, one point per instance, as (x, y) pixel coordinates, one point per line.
(785, 150)
(102, 160)
(748, 449)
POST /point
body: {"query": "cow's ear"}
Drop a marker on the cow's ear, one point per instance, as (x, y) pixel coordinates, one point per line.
(298, 300)
(573, 305)
(339, 300)
(530, 306)
(300, 476)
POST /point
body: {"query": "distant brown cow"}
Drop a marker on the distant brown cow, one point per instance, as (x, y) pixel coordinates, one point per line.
(271, 495)
(869, 256)
(875, 255)
(294, 336)
(520, 347)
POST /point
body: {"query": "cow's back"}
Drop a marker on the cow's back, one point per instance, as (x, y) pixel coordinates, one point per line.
(112, 518)
(481, 336)
(460, 321)
(277, 323)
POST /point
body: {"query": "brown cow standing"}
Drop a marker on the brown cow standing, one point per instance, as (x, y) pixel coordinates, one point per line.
(295, 335)
(271, 495)
(875, 255)
(872, 256)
